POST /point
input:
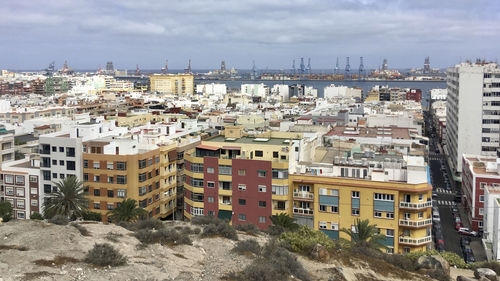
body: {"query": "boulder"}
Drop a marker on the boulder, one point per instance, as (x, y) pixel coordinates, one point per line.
(320, 253)
(434, 262)
(463, 278)
(485, 272)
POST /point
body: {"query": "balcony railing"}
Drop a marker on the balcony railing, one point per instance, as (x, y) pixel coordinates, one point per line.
(226, 202)
(302, 211)
(303, 195)
(415, 241)
(415, 206)
(415, 223)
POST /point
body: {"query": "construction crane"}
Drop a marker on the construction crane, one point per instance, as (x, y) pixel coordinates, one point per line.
(337, 67)
(347, 69)
(308, 69)
(361, 70)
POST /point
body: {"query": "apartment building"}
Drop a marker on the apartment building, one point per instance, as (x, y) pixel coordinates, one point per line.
(177, 84)
(19, 185)
(473, 112)
(7, 151)
(477, 173)
(117, 168)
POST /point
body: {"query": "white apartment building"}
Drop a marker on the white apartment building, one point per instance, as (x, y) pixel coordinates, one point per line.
(211, 89)
(473, 111)
(7, 150)
(255, 90)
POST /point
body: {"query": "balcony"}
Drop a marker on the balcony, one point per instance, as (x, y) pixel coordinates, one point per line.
(226, 202)
(302, 211)
(415, 223)
(303, 195)
(415, 206)
(415, 241)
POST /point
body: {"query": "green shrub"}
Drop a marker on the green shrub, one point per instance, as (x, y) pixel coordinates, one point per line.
(162, 236)
(81, 228)
(247, 246)
(493, 265)
(274, 264)
(197, 230)
(148, 224)
(59, 220)
(452, 258)
(36, 216)
(113, 236)
(105, 255)
(248, 228)
(305, 238)
(219, 228)
(91, 216)
(366, 251)
(5, 211)
(275, 230)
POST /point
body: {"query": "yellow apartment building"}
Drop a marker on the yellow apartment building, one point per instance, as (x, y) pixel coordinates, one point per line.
(178, 84)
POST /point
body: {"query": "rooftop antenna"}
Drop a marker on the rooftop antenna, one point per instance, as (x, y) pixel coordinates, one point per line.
(347, 68)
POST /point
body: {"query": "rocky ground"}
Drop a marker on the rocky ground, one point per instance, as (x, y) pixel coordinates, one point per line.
(37, 250)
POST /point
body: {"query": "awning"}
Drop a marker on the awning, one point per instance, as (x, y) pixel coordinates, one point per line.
(231, 147)
(207, 147)
(225, 215)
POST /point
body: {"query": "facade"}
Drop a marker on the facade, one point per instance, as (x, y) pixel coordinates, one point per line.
(491, 220)
(177, 84)
(478, 172)
(119, 168)
(472, 115)
(7, 151)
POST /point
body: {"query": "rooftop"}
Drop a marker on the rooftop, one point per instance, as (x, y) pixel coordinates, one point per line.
(250, 140)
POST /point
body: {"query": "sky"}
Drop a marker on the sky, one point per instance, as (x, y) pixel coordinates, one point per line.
(88, 33)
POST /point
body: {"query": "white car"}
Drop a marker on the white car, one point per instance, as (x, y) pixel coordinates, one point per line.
(466, 231)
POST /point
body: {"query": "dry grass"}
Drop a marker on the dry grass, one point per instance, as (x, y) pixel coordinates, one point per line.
(13, 247)
(56, 262)
(36, 275)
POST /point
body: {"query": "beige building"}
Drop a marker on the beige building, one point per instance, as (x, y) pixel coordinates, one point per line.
(178, 84)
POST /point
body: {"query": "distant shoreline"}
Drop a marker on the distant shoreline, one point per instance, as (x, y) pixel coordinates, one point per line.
(312, 80)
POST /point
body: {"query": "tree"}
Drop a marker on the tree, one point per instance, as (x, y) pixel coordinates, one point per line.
(127, 211)
(285, 221)
(365, 235)
(5, 211)
(69, 199)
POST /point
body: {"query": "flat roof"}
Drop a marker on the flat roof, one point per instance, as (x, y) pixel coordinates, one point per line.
(249, 140)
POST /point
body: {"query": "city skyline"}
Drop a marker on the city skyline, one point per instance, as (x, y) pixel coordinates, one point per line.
(89, 33)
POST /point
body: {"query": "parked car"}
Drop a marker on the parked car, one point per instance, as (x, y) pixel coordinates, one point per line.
(458, 225)
(469, 258)
(454, 210)
(464, 241)
(466, 231)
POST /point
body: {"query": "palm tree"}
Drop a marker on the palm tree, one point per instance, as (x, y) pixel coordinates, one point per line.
(365, 235)
(127, 210)
(68, 200)
(285, 221)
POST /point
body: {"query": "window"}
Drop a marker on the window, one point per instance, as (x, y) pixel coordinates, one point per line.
(211, 213)
(384, 197)
(242, 201)
(62, 176)
(261, 173)
(259, 153)
(225, 170)
(61, 149)
(97, 192)
(283, 157)
(354, 229)
(19, 179)
(54, 175)
(421, 215)
(210, 184)
(47, 188)
(45, 175)
(420, 197)
(334, 226)
(110, 179)
(482, 185)
(355, 212)
(481, 211)
(9, 191)
(121, 166)
(210, 199)
(480, 224)
(70, 152)
(335, 209)
(307, 188)
(279, 189)
(377, 214)
(110, 165)
(10, 178)
(322, 208)
(20, 192)
(322, 225)
(54, 148)
(33, 179)
(389, 215)
(275, 154)
(150, 162)
(355, 194)
(121, 193)
(196, 168)
(143, 203)
(242, 172)
(262, 203)
(262, 188)
(196, 182)
(70, 165)
(97, 178)
(85, 163)
(110, 206)
(280, 173)
(142, 177)
(97, 206)
(34, 190)
(142, 164)
(281, 205)
(481, 198)
(121, 179)
(262, 219)
(85, 177)
(242, 217)
(111, 193)
(143, 190)
(389, 232)
(197, 211)
(34, 202)
(61, 162)
(210, 170)
(242, 187)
